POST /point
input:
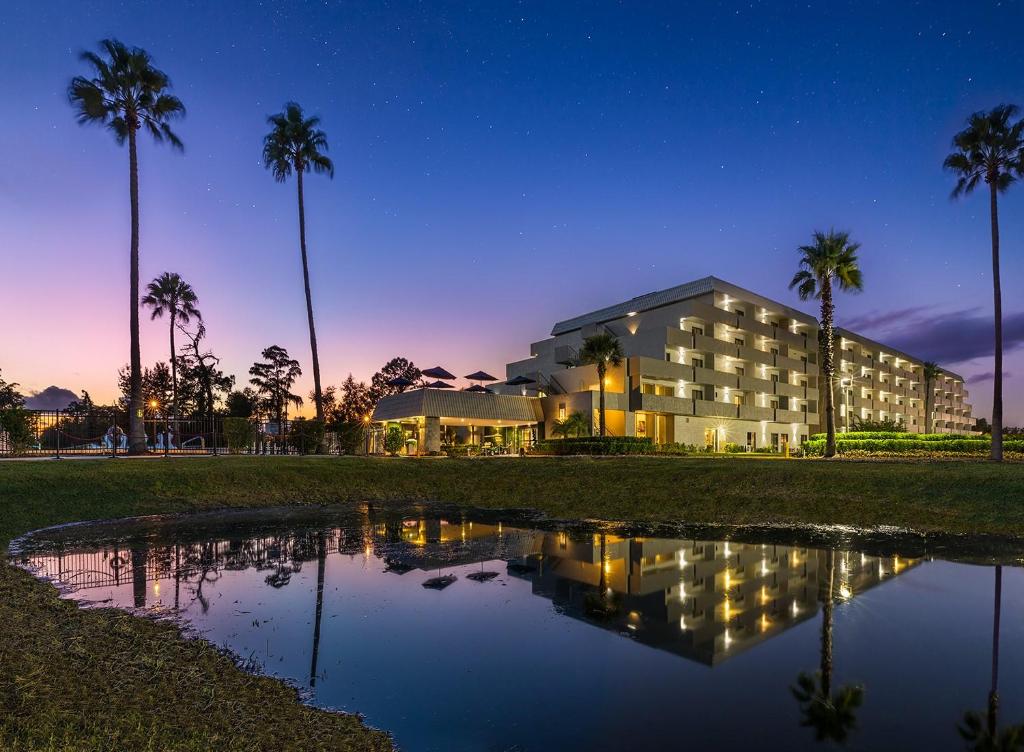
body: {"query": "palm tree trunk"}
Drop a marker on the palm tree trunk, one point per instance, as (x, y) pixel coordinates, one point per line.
(997, 300)
(826, 629)
(136, 428)
(828, 367)
(321, 556)
(929, 397)
(993, 693)
(174, 369)
(600, 388)
(318, 396)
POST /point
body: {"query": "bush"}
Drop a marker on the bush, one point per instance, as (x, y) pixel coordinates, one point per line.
(351, 437)
(239, 433)
(852, 435)
(306, 435)
(394, 440)
(597, 445)
(16, 425)
(947, 444)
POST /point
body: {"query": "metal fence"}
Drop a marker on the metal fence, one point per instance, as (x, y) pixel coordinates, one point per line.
(56, 433)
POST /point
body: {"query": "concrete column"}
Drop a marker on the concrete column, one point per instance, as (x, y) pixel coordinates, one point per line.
(432, 429)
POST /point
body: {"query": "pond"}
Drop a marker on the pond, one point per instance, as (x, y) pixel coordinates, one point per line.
(459, 631)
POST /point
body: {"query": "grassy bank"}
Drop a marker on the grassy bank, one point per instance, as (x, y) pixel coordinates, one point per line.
(73, 679)
(952, 496)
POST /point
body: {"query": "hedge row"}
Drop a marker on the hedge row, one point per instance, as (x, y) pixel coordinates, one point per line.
(597, 445)
(908, 446)
(859, 435)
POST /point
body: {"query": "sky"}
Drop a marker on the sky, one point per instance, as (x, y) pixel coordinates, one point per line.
(500, 166)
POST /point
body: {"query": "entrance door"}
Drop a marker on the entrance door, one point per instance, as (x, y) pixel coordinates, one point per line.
(660, 429)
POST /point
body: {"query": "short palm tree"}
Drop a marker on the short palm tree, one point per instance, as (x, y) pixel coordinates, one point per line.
(127, 94)
(172, 295)
(991, 150)
(602, 350)
(295, 143)
(831, 260)
(930, 371)
(575, 425)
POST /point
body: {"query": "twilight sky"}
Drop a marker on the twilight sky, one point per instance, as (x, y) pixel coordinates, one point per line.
(500, 166)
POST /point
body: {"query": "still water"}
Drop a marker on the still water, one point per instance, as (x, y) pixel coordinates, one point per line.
(587, 639)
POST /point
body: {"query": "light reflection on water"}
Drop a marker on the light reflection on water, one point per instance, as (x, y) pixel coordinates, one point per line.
(578, 640)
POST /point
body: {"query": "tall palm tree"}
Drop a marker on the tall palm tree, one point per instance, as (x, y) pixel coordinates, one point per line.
(832, 716)
(930, 371)
(295, 143)
(991, 149)
(602, 350)
(831, 260)
(127, 94)
(172, 295)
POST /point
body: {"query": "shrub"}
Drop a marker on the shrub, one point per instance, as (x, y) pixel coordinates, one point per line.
(17, 424)
(947, 444)
(394, 440)
(597, 445)
(351, 437)
(306, 435)
(239, 433)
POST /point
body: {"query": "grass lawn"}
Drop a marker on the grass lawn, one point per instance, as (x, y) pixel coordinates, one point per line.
(74, 679)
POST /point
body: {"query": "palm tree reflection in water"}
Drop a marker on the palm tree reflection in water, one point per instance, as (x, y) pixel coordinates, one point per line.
(832, 717)
(980, 730)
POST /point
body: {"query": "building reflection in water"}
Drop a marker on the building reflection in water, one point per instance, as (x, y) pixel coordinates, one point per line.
(703, 600)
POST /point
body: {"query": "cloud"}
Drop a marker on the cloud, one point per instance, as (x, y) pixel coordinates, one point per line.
(987, 376)
(945, 338)
(883, 320)
(51, 398)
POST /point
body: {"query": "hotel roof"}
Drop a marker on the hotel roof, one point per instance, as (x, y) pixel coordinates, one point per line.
(672, 295)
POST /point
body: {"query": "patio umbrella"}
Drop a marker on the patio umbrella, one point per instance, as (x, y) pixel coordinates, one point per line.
(520, 381)
(438, 373)
(478, 388)
(480, 376)
(400, 381)
(440, 385)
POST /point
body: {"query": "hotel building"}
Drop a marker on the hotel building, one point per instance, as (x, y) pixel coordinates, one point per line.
(706, 363)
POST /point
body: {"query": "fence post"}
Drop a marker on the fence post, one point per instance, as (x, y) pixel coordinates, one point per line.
(56, 429)
(113, 434)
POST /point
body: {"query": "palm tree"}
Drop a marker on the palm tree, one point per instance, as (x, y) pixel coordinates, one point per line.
(127, 94)
(172, 295)
(832, 716)
(830, 260)
(990, 149)
(602, 350)
(296, 143)
(575, 425)
(930, 371)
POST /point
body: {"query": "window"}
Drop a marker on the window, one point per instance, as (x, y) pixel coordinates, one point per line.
(803, 382)
(697, 362)
(668, 356)
(775, 351)
(739, 341)
(775, 404)
(697, 394)
(740, 312)
(561, 411)
(697, 330)
(775, 378)
(740, 371)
